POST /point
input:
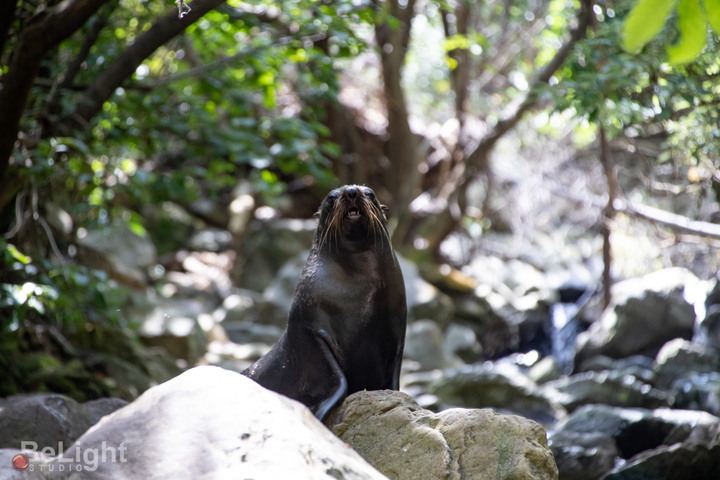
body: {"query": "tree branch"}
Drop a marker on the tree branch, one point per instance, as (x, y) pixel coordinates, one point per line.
(45, 30)
(128, 61)
(478, 157)
(7, 16)
(675, 222)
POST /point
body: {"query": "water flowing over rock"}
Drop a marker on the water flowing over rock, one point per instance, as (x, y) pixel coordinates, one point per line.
(406, 442)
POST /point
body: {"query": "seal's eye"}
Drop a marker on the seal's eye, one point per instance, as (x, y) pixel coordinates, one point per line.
(369, 194)
(332, 196)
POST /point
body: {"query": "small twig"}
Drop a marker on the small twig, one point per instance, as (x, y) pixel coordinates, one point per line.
(183, 8)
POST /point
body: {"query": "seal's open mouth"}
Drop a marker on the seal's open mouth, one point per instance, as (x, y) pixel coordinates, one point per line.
(353, 214)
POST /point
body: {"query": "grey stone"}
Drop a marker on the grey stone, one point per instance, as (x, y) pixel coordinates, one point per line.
(209, 423)
(96, 409)
(173, 325)
(453, 444)
(118, 250)
(268, 245)
(424, 344)
(499, 386)
(583, 456)
(646, 312)
(423, 299)
(45, 419)
(460, 340)
(633, 429)
(679, 358)
(607, 387)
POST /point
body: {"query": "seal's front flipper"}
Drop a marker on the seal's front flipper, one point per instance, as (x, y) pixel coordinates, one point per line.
(338, 386)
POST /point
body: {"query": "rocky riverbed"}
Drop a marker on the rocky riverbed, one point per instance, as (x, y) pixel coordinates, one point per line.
(630, 391)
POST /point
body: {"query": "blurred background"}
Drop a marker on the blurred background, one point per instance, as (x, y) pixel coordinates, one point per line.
(554, 198)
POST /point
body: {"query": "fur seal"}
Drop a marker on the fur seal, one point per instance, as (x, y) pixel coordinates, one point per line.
(346, 325)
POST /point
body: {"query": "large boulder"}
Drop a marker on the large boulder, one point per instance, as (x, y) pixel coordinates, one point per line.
(424, 300)
(49, 420)
(43, 419)
(268, 245)
(125, 255)
(173, 324)
(406, 442)
(208, 423)
(680, 358)
(696, 457)
(646, 312)
(497, 385)
(596, 438)
(607, 387)
(424, 344)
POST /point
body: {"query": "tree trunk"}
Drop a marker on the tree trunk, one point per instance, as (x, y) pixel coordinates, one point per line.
(401, 147)
(45, 30)
(608, 215)
(477, 162)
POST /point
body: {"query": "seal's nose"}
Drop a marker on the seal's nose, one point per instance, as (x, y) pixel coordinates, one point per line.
(351, 192)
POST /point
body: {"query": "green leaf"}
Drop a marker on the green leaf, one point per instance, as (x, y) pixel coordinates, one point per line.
(693, 31)
(645, 21)
(17, 254)
(712, 8)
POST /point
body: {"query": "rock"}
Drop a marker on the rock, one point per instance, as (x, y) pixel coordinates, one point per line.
(124, 378)
(697, 459)
(583, 456)
(638, 366)
(173, 325)
(646, 312)
(545, 370)
(125, 255)
(498, 386)
(679, 358)
(210, 423)
(247, 332)
(453, 444)
(424, 344)
(268, 245)
(460, 340)
(423, 299)
(281, 290)
(34, 471)
(607, 387)
(248, 306)
(697, 391)
(496, 334)
(96, 409)
(45, 419)
(633, 429)
(211, 240)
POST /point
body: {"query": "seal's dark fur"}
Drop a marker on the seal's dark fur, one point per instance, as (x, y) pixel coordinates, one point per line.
(346, 327)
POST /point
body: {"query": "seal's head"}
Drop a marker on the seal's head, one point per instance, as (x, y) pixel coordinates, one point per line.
(351, 218)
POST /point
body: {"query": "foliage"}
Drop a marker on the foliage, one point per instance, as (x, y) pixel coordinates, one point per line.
(241, 94)
(619, 90)
(46, 313)
(648, 17)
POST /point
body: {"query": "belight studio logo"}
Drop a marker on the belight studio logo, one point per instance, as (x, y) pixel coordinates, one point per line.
(20, 462)
(78, 459)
